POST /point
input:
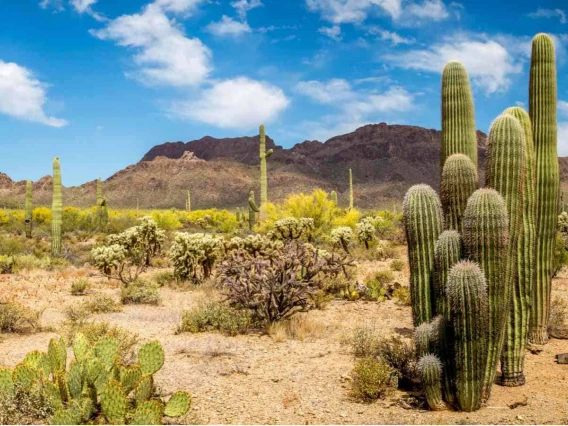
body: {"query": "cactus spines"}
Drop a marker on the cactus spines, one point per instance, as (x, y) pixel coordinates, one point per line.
(114, 403)
(422, 338)
(459, 181)
(263, 174)
(56, 210)
(29, 209)
(458, 116)
(350, 189)
(430, 369)
(467, 293)
(423, 220)
(253, 210)
(447, 252)
(486, 241)
(542, 110)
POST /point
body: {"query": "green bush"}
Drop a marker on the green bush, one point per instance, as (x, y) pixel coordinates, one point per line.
(140, 292)
(216, 316)
(372, 379)
(402, 296)
(101, 304)
(363, 342)
(79, 286)
(560, 260)
(6, 264)
(397, 265)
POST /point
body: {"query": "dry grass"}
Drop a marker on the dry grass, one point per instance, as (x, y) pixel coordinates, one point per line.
(299, 327)
(17, 318)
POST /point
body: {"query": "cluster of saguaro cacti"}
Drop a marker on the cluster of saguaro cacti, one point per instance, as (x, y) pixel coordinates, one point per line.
(28, 218)
(56, 210)
(253, 210)
(96, 387)
(481, 288)
(264, 154)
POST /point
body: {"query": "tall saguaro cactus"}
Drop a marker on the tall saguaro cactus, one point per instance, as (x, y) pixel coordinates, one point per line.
(513, 356)
(458, 116)
(263, 176)
(253, 210)
(423, 223)
(56, 210)
(188, 202)
(468, 311)
(28, 218)
(350, 189)
(459, 181)
(542, 110)
(99, 193)
(486, 241)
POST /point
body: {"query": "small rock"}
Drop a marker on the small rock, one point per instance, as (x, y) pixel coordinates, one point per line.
(521, 418)
(562, 358)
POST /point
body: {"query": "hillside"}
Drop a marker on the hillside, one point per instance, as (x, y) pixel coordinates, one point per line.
(386, 160)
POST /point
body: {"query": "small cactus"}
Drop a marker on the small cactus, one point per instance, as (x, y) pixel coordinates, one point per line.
(430, 369)
(56, 210)
(447, 252)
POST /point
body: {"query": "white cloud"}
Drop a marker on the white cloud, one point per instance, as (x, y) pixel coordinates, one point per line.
(84, 6)
(391, 36)
(23, 96)
(355, 107)
(489, 64)
(333, 32)
(434, 10)
(228, 27)
(549, 13)
(57, 5)
(344, 11)
(563, 107)
(238, 103)
(164, 54)
(243, 6)
(178, 6)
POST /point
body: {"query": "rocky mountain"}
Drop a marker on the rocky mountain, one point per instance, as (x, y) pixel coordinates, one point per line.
(386, 160)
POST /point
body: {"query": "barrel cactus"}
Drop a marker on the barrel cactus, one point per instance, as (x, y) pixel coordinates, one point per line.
(542, 110)
(423, 222)
(56, 210)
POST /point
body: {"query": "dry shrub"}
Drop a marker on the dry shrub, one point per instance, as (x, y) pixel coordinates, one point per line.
(17, 318)
(79, 286)
(372, 379)
(397, 265)
(299, 327)
(101, 304)
(140, 292)
(24, 408)
(363, 341)
(215, 316)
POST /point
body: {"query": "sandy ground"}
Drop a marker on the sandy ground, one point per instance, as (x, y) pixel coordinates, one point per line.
(255, 379)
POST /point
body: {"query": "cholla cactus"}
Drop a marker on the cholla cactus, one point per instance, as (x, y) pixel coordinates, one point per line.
(194, 255)
(365, 231)
(97, 386)
(291, 228)
(255, 245)
(342, 236)
(109, 258)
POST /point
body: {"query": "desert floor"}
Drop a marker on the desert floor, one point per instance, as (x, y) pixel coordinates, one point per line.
(259, 379)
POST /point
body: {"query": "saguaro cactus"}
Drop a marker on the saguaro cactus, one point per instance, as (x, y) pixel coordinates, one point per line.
(423, 222)
(459, 181)
(28, 218)
(486, 240)
(542, 110)
(447, 252)
(263, 177)
(467, 292)
(253, 210)
(458, 116)
(56, 210)
(333, 197)
(513, 356)
(350, 190)
(188, 202)
(430, 369)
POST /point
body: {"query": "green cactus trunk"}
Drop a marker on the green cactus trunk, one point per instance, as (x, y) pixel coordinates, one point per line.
(28, 218)
(263, 173)
(542, 110)
(423, 222)
(459, 181)
(458, 116)
(104, 213)
(333, 197)
(513, 357)
(188, 202)
(350, 190)
(253, 210)
(56, 210)
(447, 252)
(486, 241)
(430, 369)
(467, 293)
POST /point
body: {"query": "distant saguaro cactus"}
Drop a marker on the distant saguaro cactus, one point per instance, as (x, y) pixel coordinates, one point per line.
(56, 210)
(263, 173)
(458, 115)
(542, 111)
(188, 202)
(253, 210)
(333, 197)
(28, 218)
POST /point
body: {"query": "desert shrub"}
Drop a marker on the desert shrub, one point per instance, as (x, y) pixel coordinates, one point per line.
(363, 342)
(298, 327)
(402, 295)
(372, 379)
(79, 286)
(558, 322)
(384, 250)
(291, 228)
(341, 237)
(216, 316)
(222, 220)
(4, 217)
(24, 406)
(397, 265)
(41, 216)
(140, 292)
(6, 264)
(128, 254)
(365, 231)
(194, 255)
(273, 289)
(400, 354)
(347, 218)
(164, 278)
(101, 304)
(560, 259)
(166, 219)
(96, 386)
(17, 318)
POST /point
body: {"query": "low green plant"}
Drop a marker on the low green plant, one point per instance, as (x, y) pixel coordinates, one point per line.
(372, 379)
(140, 292)
(402, 296)
(216, 316)
(101, 304)
(164, 278)
(79, 286)
(560, 259)
(6, 264)
(363, 342)
(397, 265)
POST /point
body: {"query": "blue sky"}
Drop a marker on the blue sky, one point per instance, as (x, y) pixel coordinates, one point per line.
(99, 82)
